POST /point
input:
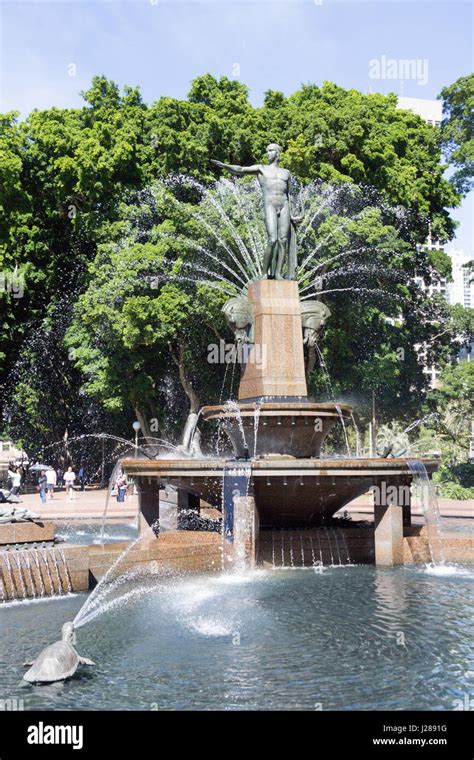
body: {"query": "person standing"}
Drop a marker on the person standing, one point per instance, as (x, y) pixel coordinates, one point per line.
(82, 478)
(69, 478)
(42, 485)
(15, 477)
(121, 486)
(60, 477)
(51, 479)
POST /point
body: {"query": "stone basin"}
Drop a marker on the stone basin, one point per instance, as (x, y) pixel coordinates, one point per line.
(293, 428)
(297, 493)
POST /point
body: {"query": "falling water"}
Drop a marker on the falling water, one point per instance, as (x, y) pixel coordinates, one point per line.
(327, 377)
(6, 560)
(343, 423)
(329, 545)
(256, 420)
(429, 503)
(320, 548)
(235, 525)
(302, 549)
(20, 575)
(27, 562)
(346, 548)
(313, 557)
(231, 390)
(4, 589)
(44, 557)
(59, 582)
(334, 534)
(39, 573)
(66, 571)
(233, 409)
(221, 394)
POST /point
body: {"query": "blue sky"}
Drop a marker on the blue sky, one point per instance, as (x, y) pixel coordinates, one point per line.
(162, 45)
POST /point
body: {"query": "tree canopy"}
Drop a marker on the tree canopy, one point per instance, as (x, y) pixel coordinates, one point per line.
(80, 228)
(457, 131)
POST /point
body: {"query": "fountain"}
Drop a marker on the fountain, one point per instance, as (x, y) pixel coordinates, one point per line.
(276, 490)
(311, 614)
(276, 480)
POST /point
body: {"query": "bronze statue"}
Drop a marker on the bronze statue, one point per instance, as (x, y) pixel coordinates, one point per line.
(275, 184)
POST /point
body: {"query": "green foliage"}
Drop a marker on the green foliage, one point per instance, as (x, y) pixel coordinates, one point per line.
(457, 131)
(462, 473)
(448, 430)
(455, 481)
(69, 180)
(455, 491)
(456, 386)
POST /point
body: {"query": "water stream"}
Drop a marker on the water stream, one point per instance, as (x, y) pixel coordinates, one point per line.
(424, 491)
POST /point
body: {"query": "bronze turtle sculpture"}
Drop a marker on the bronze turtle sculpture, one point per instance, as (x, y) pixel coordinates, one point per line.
(58, 661)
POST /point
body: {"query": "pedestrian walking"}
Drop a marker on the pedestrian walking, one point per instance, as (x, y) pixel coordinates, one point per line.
(69, 478)
(51, 479)
(42, 485)
(60, 477)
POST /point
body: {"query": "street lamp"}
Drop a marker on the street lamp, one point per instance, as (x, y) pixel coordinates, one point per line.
(136, 426)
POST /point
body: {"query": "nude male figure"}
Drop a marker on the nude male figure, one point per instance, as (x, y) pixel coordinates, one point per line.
(275, 183)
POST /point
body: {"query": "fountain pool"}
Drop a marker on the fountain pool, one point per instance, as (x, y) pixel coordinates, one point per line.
(344, 638)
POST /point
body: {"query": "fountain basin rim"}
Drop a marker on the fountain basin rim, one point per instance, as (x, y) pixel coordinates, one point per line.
(278, 467)
(275, 409)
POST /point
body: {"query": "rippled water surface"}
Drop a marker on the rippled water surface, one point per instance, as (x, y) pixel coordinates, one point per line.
(346, 638)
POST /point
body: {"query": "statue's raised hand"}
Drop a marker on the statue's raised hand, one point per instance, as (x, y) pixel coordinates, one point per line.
(217, 163)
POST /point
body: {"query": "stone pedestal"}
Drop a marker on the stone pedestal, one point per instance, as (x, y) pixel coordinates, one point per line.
(275, 364)
(246, 530)
(388, 520)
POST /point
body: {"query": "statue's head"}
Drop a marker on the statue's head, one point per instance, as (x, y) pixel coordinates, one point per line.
(68, 633)
(273, 152)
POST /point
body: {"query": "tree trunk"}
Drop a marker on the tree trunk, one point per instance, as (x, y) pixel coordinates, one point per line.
(178, 358)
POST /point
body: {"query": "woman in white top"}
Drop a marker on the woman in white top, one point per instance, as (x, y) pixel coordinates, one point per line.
(15, 477)
(69, 478)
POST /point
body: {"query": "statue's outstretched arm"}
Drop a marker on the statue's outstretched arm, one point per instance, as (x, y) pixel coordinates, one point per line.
(237, 170)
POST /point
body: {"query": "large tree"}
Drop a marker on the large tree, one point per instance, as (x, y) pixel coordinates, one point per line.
(70, 178)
